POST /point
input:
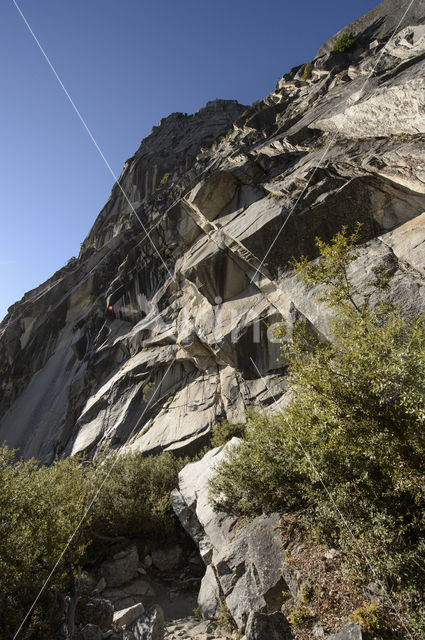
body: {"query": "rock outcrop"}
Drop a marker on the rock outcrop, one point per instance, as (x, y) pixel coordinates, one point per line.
(246, 566)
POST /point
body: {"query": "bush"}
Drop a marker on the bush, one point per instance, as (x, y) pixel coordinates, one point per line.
(224, 618)
(345, 42)
(135, 501)
(165, 178)
(308, 71)
(225, 431)
(357, 414)
(372, 619)
(41, 507)
(39, 510)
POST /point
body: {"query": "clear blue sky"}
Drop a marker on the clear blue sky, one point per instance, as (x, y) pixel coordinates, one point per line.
(126, 64)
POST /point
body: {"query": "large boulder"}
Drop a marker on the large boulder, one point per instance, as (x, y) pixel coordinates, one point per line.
(192, 505)
(261, 626)
(209, 594)
(249, 568)
(122, 568)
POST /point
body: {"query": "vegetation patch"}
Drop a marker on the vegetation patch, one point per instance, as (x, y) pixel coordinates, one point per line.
(345, 42)
(165, 178)
(224, 431)
(308, 71)
(40, 507)
(373, 620)
(224, 618)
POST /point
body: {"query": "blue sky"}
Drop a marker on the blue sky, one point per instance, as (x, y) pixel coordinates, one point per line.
(126, 64)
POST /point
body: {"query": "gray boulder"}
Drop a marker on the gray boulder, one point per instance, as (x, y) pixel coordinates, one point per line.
(351, 631)
(95, 611)
(191, 503)
(127, 616)
(261, 626)
(249, 568)
(122, 568)
(150, 625)
(247, 565)
(167, 559)
(209, 594)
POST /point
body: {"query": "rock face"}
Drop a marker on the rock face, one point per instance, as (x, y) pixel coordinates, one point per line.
(246, 566)
(156, 331)
(128, 615)
(267, 627)
(349, 632)
(380, 22)
(149, 625)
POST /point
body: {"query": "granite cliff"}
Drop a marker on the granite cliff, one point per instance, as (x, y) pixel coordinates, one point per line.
(188, 262)
(162, 326)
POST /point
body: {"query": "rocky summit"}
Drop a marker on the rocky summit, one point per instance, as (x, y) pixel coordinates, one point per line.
(163, 325)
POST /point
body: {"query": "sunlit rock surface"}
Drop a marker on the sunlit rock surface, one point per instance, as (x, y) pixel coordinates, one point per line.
(162, 326)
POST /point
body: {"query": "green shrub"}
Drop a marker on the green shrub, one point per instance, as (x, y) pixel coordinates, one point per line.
(308, 71)
(40, 507)
(135, 501)
(300, 615)
(372, 619)
(357, 414)
(39, 510)
(224, 618)
(224, 431)
(345, 42)
(165, 178)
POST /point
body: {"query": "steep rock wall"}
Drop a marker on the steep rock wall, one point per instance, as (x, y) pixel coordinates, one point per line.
(156, 331)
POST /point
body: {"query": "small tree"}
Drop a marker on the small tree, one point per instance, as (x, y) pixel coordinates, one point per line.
(345, 42)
